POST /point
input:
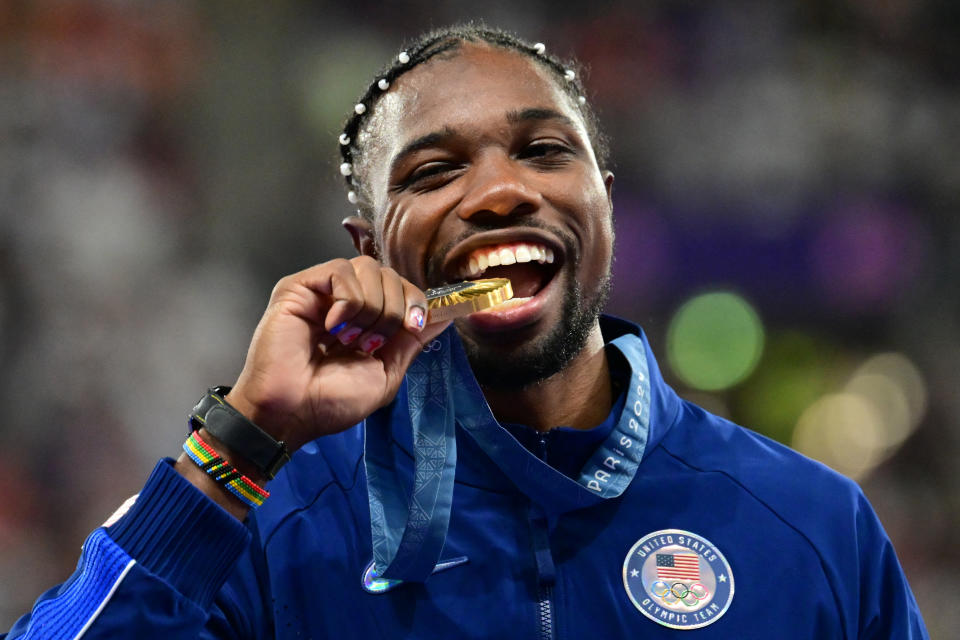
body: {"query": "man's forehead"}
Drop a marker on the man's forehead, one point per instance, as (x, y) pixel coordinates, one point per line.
(456, 91)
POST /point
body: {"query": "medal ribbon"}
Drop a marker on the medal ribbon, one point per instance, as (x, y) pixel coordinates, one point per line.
(408, 535)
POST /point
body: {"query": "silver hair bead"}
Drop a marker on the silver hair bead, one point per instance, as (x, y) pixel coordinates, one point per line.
(360, 108)
(404, 57)
(384, 84)
(352, 197)
(344, 139)
(539, 48)
(569, 75)
(346, 169)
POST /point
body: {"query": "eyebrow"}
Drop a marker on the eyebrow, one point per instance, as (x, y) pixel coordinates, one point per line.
(438, 137)
(537, 113)
(423, 142)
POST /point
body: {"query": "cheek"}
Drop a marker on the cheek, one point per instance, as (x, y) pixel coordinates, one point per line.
(405, 234)
(596, 225)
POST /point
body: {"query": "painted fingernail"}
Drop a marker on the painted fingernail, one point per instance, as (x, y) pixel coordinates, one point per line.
(417, 317)
(373, 342)
(337, 329)
(349, 335)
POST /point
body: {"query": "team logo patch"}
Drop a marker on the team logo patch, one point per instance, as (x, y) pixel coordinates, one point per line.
(678, 579)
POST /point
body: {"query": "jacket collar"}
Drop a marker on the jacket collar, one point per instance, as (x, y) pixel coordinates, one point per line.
(475, 469)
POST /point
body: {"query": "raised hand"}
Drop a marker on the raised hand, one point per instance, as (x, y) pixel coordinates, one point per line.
(332, 347)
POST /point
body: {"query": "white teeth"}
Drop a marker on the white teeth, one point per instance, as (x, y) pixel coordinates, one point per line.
(481, 259)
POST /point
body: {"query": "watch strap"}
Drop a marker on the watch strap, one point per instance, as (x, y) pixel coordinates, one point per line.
(238, 433)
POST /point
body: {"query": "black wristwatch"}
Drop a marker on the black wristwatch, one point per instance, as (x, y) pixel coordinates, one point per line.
(239, 434)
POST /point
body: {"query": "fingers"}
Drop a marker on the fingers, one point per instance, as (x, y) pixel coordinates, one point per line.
(392, 309)
(359, 303)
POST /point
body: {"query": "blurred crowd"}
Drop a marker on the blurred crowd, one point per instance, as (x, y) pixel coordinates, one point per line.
(786, 206)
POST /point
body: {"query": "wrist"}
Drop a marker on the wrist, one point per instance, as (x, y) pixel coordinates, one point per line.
(237, 433)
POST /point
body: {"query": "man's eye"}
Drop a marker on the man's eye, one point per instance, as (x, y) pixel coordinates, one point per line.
(545, 151)
(431, 170)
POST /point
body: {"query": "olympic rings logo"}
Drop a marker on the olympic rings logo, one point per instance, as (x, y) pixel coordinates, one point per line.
(679, 592)
(435, 345)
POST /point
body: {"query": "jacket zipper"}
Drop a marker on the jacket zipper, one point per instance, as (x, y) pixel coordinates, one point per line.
(545, 610)
(546, 572)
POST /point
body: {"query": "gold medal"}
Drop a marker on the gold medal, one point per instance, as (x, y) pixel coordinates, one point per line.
(454, 300)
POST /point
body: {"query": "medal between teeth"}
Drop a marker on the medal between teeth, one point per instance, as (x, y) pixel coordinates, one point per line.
(463, 298)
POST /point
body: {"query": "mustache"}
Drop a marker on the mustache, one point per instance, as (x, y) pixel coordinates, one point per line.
(435, 276)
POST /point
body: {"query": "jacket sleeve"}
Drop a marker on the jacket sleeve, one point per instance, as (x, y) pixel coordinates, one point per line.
(888, 609)
(153, 574)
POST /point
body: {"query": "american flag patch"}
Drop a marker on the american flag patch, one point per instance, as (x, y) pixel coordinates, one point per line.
(678, 566)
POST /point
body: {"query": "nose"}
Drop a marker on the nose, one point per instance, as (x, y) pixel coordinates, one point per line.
(497, 189)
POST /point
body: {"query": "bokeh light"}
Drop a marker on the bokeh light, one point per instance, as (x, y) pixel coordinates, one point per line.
(868, 253)
(856, 429)
(842, 430)
(715, 341)
(795, 371)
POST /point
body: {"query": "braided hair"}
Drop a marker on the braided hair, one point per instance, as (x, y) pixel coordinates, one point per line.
(434, 43)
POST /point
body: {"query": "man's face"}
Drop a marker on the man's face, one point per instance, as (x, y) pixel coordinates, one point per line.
(480, 158)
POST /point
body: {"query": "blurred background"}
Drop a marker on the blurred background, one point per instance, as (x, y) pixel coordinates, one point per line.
(786, 205)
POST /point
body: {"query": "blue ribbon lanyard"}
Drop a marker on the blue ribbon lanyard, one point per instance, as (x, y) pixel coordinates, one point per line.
(408, 534)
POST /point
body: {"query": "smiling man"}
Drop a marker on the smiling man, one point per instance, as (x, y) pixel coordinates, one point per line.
(524, 473)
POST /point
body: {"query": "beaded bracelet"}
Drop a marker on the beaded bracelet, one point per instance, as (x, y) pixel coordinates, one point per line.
(223, 473)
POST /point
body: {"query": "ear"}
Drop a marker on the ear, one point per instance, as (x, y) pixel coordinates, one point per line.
(608, 183)
(361, 231)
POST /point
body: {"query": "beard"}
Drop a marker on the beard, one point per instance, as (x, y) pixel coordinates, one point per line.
(547, 354)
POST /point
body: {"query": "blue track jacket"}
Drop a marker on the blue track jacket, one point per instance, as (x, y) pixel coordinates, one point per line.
(805, 550)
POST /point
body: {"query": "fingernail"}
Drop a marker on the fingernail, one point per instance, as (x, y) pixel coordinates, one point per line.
(349, 335)
(417, 317)
(373, 342)
(337, 329)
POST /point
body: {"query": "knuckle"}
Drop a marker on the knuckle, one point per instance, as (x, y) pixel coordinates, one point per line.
(283, 285)
(365, 262)
(340, 266)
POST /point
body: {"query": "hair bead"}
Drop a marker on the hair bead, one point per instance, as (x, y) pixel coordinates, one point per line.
(383, 84)
(404, 57)
(539, 48)
(346, 169)
(581, 100)
(352, 197)
(569, 75)
(360, 108)
(344, 139)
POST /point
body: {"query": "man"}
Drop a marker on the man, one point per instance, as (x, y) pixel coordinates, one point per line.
(596, 504)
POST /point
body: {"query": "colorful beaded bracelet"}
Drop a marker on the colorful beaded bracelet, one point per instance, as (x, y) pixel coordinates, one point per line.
(223, 473)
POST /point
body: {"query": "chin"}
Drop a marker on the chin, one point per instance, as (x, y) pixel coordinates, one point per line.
(530, 354)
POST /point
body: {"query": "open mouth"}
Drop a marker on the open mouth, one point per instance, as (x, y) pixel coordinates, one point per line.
(529, 265)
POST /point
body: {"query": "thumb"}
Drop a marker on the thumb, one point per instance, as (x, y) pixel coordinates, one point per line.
(406, 345)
